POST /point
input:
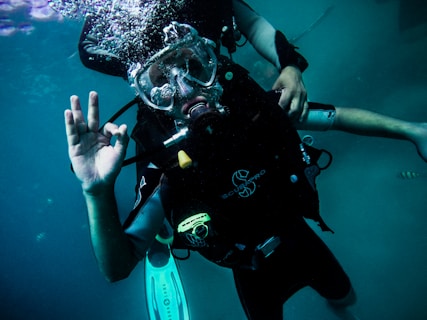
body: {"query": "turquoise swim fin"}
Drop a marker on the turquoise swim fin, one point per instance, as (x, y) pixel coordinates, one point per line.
(164, 290)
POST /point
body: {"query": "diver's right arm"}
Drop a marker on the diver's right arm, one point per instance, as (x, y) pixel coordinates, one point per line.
(112, 249)
(96, 164)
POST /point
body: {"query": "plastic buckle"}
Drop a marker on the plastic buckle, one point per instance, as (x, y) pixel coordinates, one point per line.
(268, 247)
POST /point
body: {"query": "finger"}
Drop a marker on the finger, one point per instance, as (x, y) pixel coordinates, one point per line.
(295, 109)
(76, 109)
(70, 128)
(277, 85)
(93, 112)
(109, 130)
(285, 99)
(304, 113)
(122, 141)
(79, 120)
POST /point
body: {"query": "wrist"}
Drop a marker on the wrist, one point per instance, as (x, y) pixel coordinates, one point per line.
(104, 191)
(291, 67)
(287, 53)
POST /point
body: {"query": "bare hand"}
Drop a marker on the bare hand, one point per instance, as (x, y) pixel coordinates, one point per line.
(294, 94)
(95, 161)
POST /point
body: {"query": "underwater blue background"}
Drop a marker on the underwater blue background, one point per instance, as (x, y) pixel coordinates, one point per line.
(358, 58)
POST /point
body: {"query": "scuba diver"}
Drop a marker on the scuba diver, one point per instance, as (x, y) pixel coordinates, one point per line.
(237, 181)
(218, 20)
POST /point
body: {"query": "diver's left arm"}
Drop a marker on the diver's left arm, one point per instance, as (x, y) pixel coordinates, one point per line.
(275, 48)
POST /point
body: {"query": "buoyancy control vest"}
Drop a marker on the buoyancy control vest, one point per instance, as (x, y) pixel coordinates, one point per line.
(251, 172)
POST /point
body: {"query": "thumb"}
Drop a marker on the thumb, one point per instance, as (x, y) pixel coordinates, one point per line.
(278, 84)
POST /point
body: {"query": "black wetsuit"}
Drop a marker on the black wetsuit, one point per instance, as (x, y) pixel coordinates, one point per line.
(255, 180)
(302, 260)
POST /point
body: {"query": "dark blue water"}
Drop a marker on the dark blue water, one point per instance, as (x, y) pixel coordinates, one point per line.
(358, 57)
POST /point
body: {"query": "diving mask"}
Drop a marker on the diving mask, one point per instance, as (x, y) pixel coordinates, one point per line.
(183, 70)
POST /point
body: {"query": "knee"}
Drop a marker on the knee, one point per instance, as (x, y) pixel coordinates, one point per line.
(349, 299)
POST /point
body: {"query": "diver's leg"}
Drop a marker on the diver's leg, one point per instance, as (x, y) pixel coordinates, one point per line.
(257, 295)
(339, 306)
(345, 301)
(288, 269)
(328, 278)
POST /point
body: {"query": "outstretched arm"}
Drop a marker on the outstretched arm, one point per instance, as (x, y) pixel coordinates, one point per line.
(97, 164)
(367, 123)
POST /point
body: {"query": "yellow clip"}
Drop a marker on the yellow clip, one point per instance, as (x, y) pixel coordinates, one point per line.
(184, 160)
